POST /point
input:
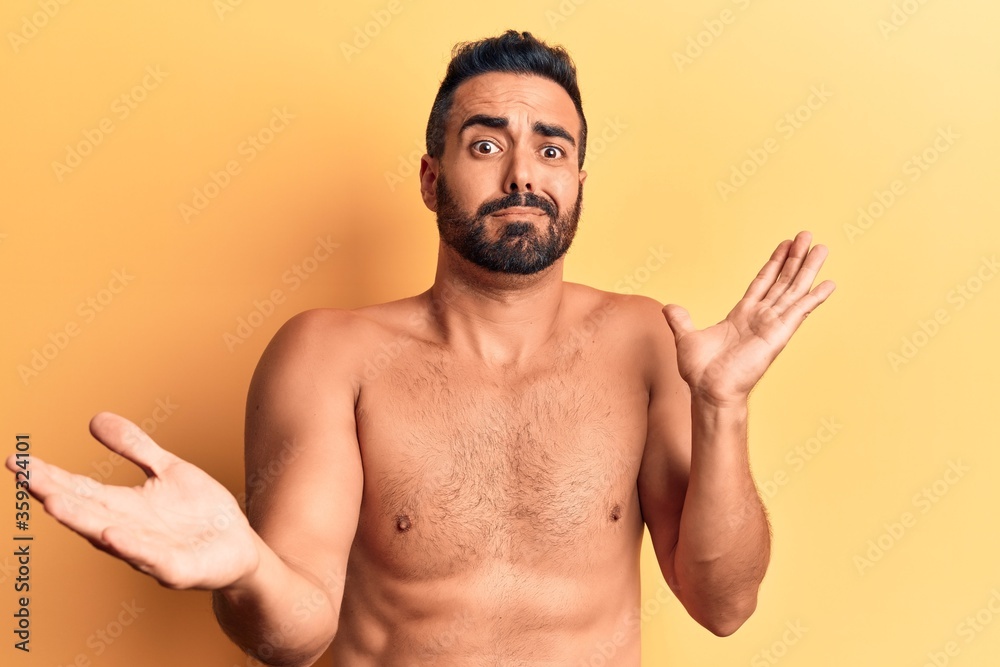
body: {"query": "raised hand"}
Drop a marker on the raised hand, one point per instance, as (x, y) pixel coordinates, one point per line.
(181, 526)
(722, 363)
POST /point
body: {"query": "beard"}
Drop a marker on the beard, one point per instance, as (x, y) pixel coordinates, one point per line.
(522, 248)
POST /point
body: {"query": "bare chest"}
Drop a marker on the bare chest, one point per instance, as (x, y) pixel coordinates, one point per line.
(461, 469)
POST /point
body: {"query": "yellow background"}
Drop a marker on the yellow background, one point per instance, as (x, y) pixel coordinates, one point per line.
(672, 130)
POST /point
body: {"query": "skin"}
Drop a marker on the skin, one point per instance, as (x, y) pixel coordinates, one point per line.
(463, 477)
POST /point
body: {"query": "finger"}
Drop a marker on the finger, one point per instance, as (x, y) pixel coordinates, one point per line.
(77, 502)
(122, 543)
(81, 514)
(797, 253)
(766, 276)
(804, 279)
(11, 463)
(46, 479)
(678, 319)
(123, 437)
(805, 305)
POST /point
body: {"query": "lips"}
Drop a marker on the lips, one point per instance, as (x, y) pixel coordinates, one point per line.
(519, 210)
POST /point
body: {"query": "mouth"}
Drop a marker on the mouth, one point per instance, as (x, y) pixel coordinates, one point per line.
(519, 211)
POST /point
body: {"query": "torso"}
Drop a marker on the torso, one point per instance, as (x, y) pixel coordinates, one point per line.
(500, 522)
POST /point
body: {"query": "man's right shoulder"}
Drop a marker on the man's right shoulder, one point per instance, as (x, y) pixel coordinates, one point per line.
(317, 324)
(309, 360)
(337, 339)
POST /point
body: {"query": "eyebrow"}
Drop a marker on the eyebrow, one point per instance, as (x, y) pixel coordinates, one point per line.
(544, 129)
(547, 130)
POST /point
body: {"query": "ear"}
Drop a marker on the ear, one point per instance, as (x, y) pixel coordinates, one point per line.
(429, 167)
(583, 176)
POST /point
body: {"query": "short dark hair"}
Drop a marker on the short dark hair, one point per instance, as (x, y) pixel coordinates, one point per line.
(513, 52)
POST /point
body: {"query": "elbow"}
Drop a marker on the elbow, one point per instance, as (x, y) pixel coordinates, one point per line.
(724, 627)
(269, 655)
(267, 658)
(726, 620)
(721, 602)
(270, 646)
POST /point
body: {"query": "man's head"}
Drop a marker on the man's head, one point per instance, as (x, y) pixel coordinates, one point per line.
(513, 53)
(506, 140)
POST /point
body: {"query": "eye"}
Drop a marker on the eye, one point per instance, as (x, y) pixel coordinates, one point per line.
(553, 152)
(485, 147)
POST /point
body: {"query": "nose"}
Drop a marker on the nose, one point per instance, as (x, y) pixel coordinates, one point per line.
(518, 177)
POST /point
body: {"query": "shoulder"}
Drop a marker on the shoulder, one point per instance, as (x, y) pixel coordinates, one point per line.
(314, 337)
(315, 326)
(321, 342)
(338, 334)
(323, 326)
(629, 327)
(629, 317)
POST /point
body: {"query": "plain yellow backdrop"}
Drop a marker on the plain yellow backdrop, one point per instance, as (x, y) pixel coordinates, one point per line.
(171, 170)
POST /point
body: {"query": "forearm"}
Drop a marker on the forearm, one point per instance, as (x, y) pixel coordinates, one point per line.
(724, 542)
(277, 614)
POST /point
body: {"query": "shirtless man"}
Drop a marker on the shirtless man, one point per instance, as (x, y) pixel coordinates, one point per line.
(462, 477)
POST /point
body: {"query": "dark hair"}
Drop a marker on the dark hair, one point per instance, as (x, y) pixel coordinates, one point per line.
(513, 52)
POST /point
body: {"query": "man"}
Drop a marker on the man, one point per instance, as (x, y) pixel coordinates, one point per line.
(462, 477)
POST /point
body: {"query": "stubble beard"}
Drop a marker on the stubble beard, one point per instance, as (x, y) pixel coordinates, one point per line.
(522, 248)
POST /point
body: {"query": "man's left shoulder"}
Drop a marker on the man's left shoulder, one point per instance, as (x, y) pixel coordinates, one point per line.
(633, 315)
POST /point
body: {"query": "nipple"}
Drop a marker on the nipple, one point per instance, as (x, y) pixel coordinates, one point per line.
(616, 512)
(403, 523)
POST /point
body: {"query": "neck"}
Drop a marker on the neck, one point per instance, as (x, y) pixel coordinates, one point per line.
(500, 318)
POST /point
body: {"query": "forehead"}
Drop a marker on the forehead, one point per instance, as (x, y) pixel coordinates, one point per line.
(527, 96)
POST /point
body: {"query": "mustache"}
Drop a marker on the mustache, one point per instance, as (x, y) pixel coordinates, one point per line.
(526, 199)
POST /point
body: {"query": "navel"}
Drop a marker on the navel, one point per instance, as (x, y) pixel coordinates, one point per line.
(403, 523)
(616, 512)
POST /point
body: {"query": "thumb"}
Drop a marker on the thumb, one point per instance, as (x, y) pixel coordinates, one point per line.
(678, 319)
(127, 439)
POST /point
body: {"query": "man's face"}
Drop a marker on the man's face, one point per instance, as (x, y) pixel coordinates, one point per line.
(513, 192)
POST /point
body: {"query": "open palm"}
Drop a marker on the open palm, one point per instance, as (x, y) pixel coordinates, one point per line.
(181, 526)
(723, 362)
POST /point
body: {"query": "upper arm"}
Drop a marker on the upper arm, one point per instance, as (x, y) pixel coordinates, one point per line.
(303, 465)
(666, 459)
